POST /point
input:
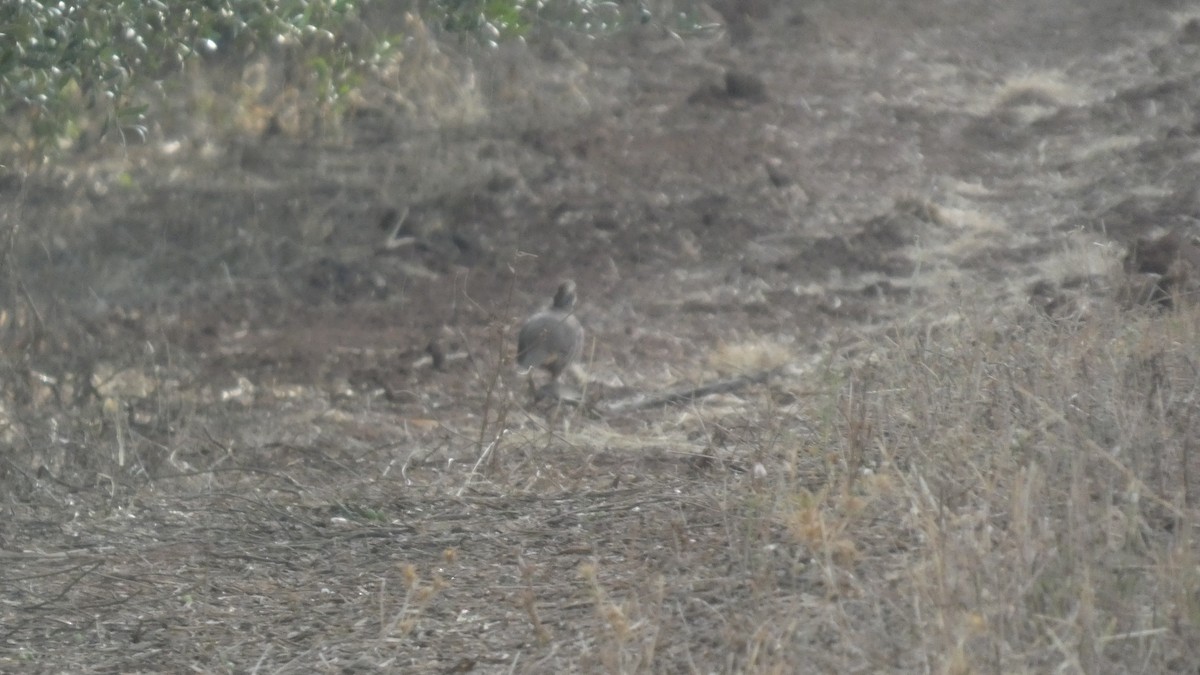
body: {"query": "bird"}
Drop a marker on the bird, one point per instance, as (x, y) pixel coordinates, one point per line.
(552, 338)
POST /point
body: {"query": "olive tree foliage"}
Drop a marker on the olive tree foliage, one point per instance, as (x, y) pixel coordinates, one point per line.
(71, 67)
(494, 20)
(64, 63)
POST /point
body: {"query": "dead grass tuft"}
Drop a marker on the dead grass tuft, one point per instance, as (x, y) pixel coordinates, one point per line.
(748, 357)
(1043, 473)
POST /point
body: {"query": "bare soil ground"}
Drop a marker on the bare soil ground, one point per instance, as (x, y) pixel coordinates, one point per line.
(226, 446)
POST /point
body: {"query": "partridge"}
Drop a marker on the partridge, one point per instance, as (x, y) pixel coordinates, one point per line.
(552, 338)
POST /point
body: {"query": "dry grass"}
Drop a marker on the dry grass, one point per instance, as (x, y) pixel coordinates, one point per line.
(992, 495)
(1026, 502)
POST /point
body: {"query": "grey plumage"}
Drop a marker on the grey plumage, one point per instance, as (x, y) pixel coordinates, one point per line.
(552, 338)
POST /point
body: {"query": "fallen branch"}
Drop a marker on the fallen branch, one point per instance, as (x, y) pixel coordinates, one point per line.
(684, 395)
